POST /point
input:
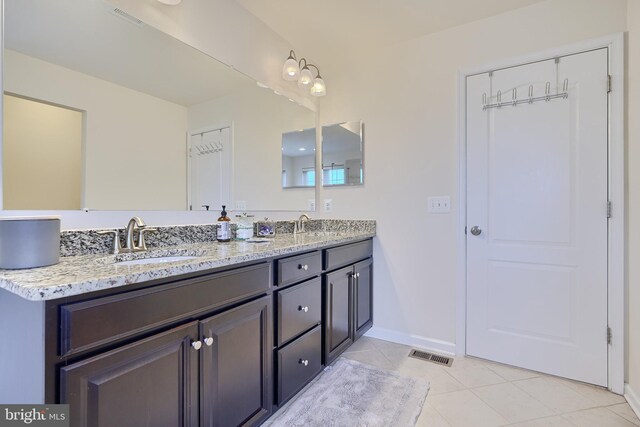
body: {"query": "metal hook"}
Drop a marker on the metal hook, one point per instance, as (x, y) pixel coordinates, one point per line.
(499, 98)
(514, 97)
(484, 101)
(547, 91)
(530, 94)
(565, 88)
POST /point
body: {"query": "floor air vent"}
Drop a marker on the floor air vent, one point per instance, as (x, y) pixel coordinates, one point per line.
(430, 357)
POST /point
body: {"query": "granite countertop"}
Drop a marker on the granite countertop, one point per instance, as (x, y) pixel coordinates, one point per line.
(76, 275)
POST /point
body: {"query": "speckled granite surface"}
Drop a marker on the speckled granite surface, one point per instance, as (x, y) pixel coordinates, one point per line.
(89, 242)
(87, 273)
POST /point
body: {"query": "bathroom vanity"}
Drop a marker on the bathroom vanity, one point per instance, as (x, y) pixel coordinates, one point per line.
(219, 339)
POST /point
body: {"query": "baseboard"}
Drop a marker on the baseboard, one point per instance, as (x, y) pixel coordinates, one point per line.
(412, 340)
(632, 399)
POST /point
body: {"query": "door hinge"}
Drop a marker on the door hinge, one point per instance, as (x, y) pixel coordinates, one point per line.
(609, 335)
(465, 230)
(609, 208)
(609, 83)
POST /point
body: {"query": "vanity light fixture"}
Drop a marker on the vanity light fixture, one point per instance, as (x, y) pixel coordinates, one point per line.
(170, 2)
(293, 70)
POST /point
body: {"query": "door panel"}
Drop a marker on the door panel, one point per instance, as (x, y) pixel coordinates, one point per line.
(338, 314)
(537, 188)
(149, 383)
(236, 368)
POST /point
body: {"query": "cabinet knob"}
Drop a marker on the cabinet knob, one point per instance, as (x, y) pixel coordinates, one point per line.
(303, 308)
(303, 267)
(196, 344)
(304, 362)
(208, 341)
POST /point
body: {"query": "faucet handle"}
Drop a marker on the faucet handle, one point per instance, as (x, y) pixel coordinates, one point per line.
(116, 247)
(142, 245)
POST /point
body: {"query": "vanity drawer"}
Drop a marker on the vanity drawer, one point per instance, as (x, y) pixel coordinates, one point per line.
(100, 321)
(299, 308)
(347, 254)
(293, 372)
(297, 268)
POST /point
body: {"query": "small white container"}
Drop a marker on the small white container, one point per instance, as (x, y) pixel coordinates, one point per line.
(28, 242)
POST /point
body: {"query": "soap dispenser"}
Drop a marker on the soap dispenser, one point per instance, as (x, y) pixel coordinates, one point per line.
(223, 227)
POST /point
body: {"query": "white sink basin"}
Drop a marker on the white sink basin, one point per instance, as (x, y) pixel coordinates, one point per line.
(158, 260)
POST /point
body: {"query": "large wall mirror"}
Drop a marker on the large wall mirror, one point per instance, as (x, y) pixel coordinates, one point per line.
(107, 113)
(343, 154)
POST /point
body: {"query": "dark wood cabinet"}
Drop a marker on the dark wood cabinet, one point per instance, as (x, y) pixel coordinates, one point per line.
(362, 297)
(347, 296)
(150, 383)
(220, 348)
(338, 321)
(236, 366)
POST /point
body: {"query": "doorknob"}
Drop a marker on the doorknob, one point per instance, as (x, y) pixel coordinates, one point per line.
(475, 230)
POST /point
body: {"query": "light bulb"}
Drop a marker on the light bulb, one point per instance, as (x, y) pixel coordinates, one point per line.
(290, 70)
(305, 79)
(318, 88)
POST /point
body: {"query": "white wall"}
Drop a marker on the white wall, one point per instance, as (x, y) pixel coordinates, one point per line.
(134, 143)
(633, 188)
(42, 146)
(257, 144)
(407, 97)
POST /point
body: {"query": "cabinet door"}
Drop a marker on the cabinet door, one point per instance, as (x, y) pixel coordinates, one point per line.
(363, 297)
(338, 329)
(152, 382)
(236, 366)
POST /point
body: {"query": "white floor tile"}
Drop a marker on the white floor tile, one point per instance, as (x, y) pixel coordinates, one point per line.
(474, 375)
(556, 421)
(371, 357)
(442, 382)
(625, 411)
(512, 403)
(554, 394)
(431, 418)
(465, 409)
(599, 396)
(597, 417)
(510, 373)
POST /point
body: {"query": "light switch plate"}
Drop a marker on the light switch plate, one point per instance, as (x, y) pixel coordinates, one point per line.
(328, 205)
(241, 205)
(440, 204)
(312, 205)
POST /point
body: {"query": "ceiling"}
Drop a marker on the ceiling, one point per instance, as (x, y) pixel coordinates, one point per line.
(330, 31)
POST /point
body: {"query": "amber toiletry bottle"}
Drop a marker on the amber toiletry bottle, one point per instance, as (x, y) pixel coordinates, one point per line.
(223, 227)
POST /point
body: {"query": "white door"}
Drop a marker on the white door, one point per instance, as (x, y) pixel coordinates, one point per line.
(537, 193)
(210, 169)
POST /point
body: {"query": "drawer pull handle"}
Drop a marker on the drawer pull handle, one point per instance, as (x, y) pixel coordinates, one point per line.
(301, 308)
(304, 267)
(208, 341)
(304, 362)
(197, 345)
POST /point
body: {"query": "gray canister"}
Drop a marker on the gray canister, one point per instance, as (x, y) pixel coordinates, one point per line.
(29, 242)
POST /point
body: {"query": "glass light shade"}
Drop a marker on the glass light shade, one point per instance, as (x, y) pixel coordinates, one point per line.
(305, 79)
(290, 70)
(170, 2)
(318, 88)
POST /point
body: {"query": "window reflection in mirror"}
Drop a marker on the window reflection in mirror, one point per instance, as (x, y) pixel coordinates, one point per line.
(342, 154)
(299, 158)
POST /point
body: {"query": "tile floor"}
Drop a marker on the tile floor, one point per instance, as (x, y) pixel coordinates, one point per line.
(477, 393)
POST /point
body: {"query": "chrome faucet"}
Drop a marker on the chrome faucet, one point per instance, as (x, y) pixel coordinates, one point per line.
(136, 223)
(299, 224)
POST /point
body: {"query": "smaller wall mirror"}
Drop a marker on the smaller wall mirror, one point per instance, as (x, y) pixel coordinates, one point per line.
(343, 154)
(299, 158)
